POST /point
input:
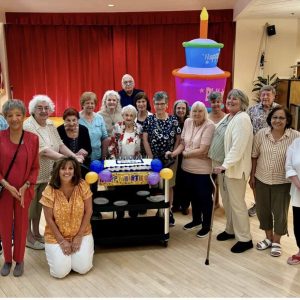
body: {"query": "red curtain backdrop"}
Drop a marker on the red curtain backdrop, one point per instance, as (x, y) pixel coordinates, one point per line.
(63, 55)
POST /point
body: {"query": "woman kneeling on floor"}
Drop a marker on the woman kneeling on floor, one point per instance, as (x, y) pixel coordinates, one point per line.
(268, 177)
(67, 204)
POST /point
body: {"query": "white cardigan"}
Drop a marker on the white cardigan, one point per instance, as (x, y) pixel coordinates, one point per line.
(238, 146)
(292, 167)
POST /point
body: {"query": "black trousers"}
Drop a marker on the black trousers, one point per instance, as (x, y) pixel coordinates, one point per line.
(199, 189)
(296, 221)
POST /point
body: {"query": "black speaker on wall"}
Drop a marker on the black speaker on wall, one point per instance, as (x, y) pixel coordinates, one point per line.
(271, 30)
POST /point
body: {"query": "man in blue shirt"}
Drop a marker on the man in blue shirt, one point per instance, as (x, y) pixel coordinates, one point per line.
(128, 92)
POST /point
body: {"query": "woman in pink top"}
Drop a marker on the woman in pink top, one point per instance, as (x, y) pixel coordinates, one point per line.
(196, 138)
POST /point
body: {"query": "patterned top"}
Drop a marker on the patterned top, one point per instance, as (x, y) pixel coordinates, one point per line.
(122, 144)
(271, 155)
(49, 139)
(3, 123)
(292, 167)
(258, 116)
(67, 214)
(161, 134)
(97, 132)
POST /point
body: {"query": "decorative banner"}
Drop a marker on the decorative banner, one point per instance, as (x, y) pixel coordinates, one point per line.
(126, 178)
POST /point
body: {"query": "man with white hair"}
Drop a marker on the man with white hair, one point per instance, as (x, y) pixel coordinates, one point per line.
(128, 91)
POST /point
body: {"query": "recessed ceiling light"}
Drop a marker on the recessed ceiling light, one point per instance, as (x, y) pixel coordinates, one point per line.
(110, 5)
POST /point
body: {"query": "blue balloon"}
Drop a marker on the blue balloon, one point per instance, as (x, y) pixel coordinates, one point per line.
(156, 165)
(96, 166)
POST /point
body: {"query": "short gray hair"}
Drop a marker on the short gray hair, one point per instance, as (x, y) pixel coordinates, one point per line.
(199, 105)
(161, 95)
(244, 100)
(129, 108)
(38, 99)
(268, 88)
(106, 96)
(13, 104)
(215, 96)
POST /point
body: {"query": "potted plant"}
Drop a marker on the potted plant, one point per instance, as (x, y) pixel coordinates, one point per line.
(262, 81)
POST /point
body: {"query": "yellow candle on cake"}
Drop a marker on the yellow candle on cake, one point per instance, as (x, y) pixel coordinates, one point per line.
(203, 23)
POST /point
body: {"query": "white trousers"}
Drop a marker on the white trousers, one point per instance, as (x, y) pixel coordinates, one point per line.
(233, 197)
(61, 264)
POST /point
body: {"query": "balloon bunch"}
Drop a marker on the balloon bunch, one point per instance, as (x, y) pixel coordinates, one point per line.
(96, 171)
(158, 171)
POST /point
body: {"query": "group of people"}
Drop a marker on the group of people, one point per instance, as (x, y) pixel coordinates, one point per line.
(42, 166)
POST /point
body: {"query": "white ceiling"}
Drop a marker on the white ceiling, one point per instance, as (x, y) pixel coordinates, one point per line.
(242, 8)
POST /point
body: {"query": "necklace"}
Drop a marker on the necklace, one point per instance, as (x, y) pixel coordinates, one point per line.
(112, 117)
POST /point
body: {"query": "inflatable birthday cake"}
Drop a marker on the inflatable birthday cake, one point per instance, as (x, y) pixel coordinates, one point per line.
(200, 76)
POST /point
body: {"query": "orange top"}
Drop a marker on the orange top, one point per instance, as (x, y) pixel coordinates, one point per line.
(67, 214)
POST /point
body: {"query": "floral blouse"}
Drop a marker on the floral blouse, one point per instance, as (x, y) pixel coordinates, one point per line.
(117, 143)
(161, 134)
(67, 214)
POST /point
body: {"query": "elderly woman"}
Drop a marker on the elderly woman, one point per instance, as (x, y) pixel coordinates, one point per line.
(216, 115)
(216, 103)
(67, 204)
(161, 133)
(111, 110)
(126, 136)
(95, 125)
(51, 148)
(180, 202)
(268, 177)
(237, 166)
(258, 115)
(74, 135)
(142, 104)
(196, 138)
(292, 167)
(19, 167)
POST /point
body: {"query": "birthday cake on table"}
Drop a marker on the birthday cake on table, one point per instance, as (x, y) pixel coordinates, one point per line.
(128, 165)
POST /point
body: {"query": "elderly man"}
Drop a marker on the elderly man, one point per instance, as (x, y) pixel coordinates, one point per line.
(128, 92)
(258, 115)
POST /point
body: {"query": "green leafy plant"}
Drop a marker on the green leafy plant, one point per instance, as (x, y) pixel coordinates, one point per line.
(262, 81)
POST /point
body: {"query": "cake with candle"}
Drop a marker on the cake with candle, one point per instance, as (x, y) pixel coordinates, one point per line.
(200, 76)
(128, 165)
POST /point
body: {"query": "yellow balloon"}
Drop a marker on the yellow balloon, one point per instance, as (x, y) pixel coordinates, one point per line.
(166, 173)
(91, 177)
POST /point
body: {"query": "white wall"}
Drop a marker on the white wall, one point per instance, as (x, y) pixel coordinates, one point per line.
(282, 50)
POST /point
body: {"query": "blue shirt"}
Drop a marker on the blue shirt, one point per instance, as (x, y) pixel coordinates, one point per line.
(97, 133)
(3, 123)
(126, 99)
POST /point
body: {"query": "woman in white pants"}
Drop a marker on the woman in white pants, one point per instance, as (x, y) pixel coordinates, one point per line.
(67, 204)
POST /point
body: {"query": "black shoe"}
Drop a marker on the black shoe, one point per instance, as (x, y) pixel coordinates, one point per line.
(191, 226)
(224, 236)
(240, 247)
(171, 220)
(19, 269)
(203, 232)
(6, 269)
(143, 212)
(133, 213)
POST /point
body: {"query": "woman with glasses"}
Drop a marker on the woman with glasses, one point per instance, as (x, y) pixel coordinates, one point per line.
(76, 136)
(51, 148)
(161, 133)
(268, 177)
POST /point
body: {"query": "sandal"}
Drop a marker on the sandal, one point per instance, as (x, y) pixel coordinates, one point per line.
(275, 249)
(294, 260)
(263, 245)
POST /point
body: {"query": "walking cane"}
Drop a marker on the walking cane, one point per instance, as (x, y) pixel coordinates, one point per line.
(213, 196)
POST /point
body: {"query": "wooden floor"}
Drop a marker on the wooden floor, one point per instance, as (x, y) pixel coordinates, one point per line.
(175, 271)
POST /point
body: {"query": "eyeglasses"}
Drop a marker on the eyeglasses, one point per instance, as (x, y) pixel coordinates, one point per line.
(129, 82)
(160, 104)
(278, 118)
(41, 108)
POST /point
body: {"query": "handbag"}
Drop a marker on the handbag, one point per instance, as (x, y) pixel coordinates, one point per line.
(12, 162)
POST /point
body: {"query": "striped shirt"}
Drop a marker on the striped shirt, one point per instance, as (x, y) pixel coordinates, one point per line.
(271, 154)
